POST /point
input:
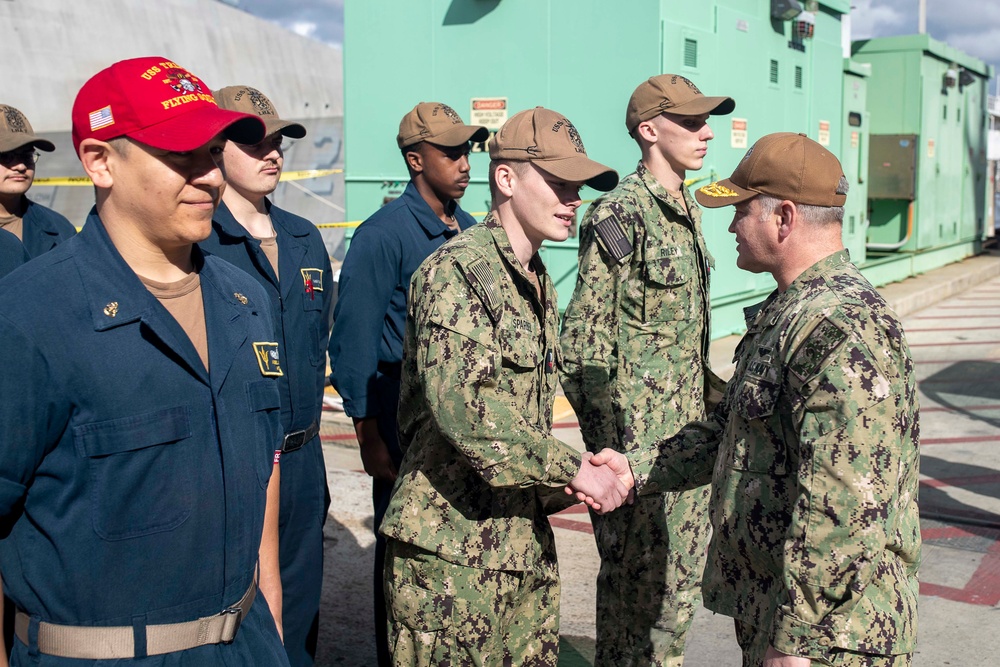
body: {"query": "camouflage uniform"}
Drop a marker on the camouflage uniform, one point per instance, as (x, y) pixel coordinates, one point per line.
(635, 339)
(470, 568)
(813, 457)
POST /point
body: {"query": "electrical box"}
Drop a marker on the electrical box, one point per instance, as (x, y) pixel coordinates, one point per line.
(928, 153)
(583, 58)
(892, 167)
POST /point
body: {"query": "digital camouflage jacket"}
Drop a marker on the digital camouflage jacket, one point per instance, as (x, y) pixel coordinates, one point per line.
(813, 456)
(636, 333)
(480, 464)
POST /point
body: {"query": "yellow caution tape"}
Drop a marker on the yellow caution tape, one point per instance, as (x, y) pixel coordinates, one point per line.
(63, 180)
(308, 173)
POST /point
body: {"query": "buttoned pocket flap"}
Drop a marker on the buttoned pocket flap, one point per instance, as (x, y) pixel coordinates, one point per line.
(132, 433)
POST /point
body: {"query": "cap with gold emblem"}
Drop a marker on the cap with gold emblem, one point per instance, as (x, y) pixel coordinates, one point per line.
(16, 132)
(549, 141)
(671, 93)
(783, 165)
(438, 124)
(245, 99)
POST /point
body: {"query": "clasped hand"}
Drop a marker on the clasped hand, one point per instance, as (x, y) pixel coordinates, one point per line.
(604, 482)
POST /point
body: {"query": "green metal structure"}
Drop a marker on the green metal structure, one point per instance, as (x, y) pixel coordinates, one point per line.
(491, 58)
(927, 164)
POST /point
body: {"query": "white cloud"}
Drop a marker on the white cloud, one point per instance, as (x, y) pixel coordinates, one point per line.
(878, 21)
(304, 28)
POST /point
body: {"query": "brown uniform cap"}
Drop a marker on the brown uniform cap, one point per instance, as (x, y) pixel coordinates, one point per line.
(548, 140)
(783, 165)
(671, 93)
(245, 99)
(439, 124)
(15, 132)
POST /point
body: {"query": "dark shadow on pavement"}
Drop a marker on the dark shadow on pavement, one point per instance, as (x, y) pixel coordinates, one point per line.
(347, 627)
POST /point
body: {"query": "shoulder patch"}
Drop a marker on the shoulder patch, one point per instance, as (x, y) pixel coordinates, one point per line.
(480, 276)
(611, 236)
(814, 350)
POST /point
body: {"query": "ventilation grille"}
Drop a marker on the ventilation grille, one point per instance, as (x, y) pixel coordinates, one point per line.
(690, 53)
(774, 71)
(798, 77)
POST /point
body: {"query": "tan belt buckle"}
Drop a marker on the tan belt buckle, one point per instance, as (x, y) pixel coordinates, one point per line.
(231, 624)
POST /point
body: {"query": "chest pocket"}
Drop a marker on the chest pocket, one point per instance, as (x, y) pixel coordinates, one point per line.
(667, 292)
(521, 358)
(755, 439)
(140, 477)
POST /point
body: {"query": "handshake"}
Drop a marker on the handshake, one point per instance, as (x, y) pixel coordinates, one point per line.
(604, 481)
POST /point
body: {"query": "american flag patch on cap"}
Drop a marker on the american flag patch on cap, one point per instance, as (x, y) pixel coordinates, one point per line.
(101, 118)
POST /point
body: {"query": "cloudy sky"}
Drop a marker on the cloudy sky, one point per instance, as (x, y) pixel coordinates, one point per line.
(320, 19)
(972, 26)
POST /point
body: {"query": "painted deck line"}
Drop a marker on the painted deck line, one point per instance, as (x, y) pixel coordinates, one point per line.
(953, 532)
(983, 587)
(575, 509)
(963, 381)
(570, 524)
(909, 331)
(956, 343)
(921, 362)
(960, 441)
(338, 436)
(948, 317)
(960, 482)
(960, 408)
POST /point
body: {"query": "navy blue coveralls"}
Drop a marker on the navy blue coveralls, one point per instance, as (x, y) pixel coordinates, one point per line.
(134, 481)
(12, 253)
(366, 346)
(301, 304)
(43, 229)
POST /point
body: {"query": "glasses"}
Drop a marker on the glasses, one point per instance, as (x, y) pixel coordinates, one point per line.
(264, 147)
(26, 157)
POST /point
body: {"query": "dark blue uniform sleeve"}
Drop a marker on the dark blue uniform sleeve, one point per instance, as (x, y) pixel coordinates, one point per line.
(12, 253)
(30, 422)
(367, 280)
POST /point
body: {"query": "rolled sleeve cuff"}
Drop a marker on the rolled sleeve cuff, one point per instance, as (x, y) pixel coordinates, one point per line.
(360, 408)
(796, 637)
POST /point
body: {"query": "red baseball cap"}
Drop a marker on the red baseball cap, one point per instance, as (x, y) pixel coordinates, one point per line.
(158, 103)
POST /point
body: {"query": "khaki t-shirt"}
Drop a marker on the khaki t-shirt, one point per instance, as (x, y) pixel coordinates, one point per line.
(270, 247)
(13, 224)
(183, 300)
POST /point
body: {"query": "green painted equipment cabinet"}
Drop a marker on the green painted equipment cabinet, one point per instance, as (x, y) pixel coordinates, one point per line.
(927, 160)
(491, 58)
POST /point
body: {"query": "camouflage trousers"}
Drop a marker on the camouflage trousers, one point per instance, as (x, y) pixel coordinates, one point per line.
(649, 585)
(754, 644)
(445, 614)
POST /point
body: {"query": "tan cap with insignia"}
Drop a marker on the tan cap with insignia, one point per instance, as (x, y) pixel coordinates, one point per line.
(438, 124)
(783, 165)
(251, 101)
(548, 140)
(671, 93)
(16, 132)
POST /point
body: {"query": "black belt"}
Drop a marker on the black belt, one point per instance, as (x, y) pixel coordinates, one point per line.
(393, 370)
(296, 439)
